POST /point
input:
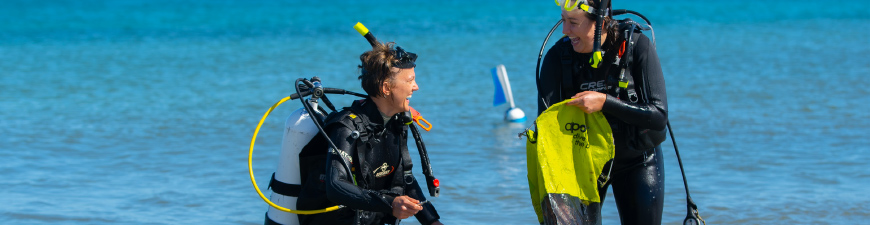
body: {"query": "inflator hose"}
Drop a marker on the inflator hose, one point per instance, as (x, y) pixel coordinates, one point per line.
(254, 181)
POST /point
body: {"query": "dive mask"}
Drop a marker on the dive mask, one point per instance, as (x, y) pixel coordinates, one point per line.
(406, 59)
(583, 5)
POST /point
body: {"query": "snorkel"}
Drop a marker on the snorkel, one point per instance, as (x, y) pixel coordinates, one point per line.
(359, 27)
(596, 49)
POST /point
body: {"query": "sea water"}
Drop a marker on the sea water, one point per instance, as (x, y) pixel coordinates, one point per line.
(142, 112)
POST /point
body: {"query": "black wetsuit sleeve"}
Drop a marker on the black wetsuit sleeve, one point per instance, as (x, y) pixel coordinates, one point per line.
(428, 215)
(340, 189)
(648, 78)
(550, 80)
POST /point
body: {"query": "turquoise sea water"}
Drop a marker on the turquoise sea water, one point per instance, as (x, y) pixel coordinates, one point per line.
(141, 112)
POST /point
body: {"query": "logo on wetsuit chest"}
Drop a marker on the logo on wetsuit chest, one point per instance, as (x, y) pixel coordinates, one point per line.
(383, 170)
(598, 86)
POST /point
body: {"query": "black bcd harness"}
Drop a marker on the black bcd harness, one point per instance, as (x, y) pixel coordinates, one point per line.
(367, 135)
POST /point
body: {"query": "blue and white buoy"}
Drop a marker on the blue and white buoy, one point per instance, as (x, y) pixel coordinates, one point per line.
(503, 94)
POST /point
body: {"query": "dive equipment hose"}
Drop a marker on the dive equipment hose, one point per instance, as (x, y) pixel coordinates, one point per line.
(254, 181)
(541, 54)
(432, 183)
(692, 208)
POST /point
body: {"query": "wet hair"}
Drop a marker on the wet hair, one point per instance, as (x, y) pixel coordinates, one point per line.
(376, 67)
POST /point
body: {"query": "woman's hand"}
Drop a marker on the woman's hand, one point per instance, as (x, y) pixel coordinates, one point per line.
(404, 207)
(588, 101)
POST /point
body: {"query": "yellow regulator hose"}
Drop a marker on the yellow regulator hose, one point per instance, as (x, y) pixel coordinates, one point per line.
(254, 181)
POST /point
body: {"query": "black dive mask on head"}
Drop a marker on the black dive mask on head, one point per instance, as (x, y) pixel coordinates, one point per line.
(406, 59)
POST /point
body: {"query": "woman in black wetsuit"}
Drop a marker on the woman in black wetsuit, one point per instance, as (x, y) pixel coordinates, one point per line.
(637, 175)
(372, 137)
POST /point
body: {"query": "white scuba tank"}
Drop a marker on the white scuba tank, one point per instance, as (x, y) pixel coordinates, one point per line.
(299, 129)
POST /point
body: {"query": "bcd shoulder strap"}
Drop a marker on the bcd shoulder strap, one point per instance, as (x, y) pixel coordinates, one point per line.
(362, 133)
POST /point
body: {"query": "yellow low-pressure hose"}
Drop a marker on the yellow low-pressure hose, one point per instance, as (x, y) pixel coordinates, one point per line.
(254, 181)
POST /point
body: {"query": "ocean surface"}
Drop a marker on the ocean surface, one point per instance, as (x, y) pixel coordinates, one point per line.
(142, 111)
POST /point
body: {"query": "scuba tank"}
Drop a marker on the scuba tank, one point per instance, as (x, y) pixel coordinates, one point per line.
(299, 129)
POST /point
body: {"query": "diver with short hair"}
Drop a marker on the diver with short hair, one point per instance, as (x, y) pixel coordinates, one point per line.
(371, 137)
(571, 70)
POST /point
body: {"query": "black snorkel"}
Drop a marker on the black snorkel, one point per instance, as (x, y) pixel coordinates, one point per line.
(601, 13)
(407, 60)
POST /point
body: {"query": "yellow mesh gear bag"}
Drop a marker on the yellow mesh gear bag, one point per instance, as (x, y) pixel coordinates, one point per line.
(565, 157)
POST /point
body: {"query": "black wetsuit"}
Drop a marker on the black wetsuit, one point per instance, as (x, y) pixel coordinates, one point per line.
(379, 174)
(638, 175)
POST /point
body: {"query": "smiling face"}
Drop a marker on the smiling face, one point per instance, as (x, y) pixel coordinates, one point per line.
(579, 26)
(398, 90)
